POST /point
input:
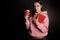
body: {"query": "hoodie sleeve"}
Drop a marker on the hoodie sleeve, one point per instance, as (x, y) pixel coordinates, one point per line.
(27, 23)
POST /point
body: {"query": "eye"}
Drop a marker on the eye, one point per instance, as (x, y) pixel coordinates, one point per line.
(37, 5)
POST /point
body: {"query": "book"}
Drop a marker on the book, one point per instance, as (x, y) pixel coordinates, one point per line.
(41, 18)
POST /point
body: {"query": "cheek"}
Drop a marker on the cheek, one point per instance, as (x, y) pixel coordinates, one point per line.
(37, 8)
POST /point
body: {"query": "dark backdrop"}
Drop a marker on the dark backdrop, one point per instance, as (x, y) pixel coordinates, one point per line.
(18, 30)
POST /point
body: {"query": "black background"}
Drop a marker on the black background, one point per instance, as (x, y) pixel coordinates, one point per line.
(15, 22)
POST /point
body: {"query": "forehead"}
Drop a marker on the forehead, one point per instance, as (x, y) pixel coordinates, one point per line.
(36, 3)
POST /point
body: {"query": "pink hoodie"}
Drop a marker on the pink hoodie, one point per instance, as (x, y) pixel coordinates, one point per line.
(43, 27)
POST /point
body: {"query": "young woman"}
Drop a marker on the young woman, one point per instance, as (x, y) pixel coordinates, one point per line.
(38, 23)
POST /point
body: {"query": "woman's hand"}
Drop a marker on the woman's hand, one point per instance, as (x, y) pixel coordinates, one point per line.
(35, 21)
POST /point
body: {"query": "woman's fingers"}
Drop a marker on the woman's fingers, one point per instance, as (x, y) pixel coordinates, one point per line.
(26, 17)
(27, 10)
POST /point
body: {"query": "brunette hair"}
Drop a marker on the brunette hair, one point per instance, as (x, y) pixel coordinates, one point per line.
(39, 1)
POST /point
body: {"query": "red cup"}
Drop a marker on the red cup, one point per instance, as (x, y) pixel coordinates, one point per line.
(27, 13)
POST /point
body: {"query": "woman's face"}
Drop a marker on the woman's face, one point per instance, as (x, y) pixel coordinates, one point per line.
(37, 6)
